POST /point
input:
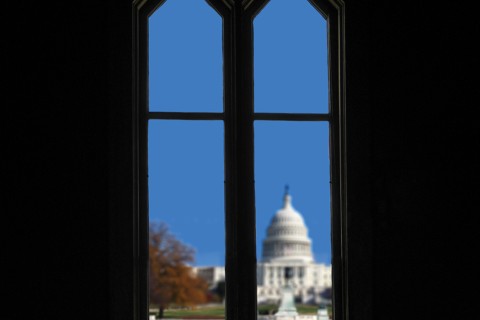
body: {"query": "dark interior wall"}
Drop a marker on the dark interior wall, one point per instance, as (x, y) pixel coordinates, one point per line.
(423, 170)
(411, 137)
(55, 222)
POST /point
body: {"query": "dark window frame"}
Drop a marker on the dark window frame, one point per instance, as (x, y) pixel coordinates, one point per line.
(239, 118)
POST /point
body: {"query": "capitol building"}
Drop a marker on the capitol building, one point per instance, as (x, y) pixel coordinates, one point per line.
(286, 245)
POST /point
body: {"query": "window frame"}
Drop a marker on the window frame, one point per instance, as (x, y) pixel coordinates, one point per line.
(239, 116)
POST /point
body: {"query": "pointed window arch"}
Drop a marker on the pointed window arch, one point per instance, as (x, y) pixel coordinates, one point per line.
(238, 109)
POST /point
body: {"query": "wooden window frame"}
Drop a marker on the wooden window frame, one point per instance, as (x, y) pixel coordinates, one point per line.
(239, 117)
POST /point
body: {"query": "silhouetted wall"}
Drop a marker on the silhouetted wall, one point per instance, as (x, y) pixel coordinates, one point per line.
(412, 171)
(55, 224)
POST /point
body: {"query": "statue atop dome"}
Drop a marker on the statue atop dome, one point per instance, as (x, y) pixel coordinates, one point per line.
(287, 198)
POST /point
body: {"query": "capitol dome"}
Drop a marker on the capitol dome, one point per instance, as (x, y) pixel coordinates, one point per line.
(287, 236)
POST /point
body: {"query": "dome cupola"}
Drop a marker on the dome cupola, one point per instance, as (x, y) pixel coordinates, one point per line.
(287, 236)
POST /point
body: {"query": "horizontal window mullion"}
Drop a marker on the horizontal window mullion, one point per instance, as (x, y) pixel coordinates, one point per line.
(292, 116)
(186, 115)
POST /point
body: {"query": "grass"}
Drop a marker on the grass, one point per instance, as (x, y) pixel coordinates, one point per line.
(218, 312)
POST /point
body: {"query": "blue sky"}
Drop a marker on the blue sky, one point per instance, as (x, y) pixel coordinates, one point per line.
(186, 170)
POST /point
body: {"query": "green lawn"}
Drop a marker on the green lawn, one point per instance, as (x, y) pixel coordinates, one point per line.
(198, 313)
(218, 312)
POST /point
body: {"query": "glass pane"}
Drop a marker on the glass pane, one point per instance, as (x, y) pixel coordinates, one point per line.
(185, 58)
(292, 192)
(290, 58)
(186, 204)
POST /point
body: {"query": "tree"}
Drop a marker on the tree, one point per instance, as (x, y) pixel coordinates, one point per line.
(171, 279)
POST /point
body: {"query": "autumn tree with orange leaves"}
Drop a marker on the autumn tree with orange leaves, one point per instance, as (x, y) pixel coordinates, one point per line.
(171, 279)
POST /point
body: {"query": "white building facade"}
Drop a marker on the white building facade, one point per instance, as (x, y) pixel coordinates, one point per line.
(286, 245)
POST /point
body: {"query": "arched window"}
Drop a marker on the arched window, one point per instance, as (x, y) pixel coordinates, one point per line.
(238, 110)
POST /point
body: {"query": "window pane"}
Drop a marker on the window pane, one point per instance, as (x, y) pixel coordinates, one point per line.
(186, 206)
(185, 58)
(293, 225)
(290, 58)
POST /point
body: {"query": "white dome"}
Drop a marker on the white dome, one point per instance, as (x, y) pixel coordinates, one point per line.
(287, 236)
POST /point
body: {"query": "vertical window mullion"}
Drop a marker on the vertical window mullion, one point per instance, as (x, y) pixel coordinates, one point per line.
(241, 253)
(140, 221)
